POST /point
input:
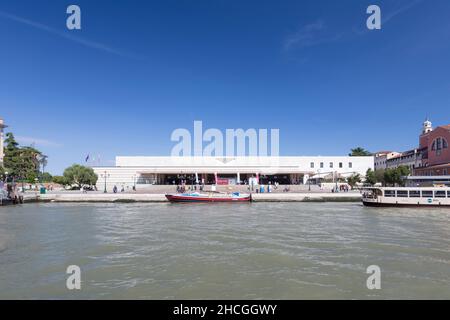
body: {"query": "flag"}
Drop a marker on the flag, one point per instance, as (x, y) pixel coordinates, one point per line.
(87, 158)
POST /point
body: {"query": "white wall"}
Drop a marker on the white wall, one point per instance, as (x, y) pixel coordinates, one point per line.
(129, 167)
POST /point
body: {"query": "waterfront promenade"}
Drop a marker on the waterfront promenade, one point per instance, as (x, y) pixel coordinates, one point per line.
(98, 196)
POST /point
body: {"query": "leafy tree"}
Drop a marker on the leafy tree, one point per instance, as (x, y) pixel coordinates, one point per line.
(60, 180)
(395, 176)
(379, 176)
(353, 180)
(359, 152)
(46, 177)
(29, 164)
(80, 176)
(370, 177)
(21, 162)
(2, 173)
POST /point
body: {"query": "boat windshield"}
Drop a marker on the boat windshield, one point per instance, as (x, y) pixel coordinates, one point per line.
(371, 193)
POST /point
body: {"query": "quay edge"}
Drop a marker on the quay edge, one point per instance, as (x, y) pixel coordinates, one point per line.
(137, 198)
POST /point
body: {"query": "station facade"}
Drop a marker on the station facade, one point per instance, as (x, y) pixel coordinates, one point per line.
(139, 172)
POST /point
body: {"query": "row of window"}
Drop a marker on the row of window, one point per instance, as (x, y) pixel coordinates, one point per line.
(439, 144)
(433, 172)
(416, 193)
(331, 165)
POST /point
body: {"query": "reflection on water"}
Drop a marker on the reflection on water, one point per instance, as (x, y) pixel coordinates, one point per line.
(224, 251)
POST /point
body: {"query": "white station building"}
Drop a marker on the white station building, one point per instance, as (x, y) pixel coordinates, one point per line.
(144, 171)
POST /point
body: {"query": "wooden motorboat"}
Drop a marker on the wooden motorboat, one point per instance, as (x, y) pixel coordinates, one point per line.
(209, 197)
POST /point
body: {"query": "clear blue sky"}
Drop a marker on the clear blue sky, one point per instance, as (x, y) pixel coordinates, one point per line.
(139, 69)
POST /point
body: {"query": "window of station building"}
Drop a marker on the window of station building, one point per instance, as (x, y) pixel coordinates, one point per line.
(414, 194)
(389, 193)
(331, 164)
(427, 194)
(340, 164)
(402, 193)
(448, 194)
(350, 165)
(321, 164)
(312, 164)
(439, 194)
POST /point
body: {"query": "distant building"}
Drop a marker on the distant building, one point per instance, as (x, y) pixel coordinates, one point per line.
(2, 126)
(435, 151)
(411, 159)
(381, 158)
(429, 163)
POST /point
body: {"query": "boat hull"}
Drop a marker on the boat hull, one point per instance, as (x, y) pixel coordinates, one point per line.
(186, 198)
(404, 205)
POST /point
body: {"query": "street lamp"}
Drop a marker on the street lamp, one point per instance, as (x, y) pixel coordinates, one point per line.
(336, 179)
(36, 180)
(105, 175)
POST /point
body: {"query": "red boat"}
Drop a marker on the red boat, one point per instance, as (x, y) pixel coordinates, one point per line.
(209, 197)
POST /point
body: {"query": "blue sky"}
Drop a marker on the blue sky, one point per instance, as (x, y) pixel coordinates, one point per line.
(140, 69)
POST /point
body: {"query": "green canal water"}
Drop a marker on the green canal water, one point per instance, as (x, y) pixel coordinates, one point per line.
(223, 251)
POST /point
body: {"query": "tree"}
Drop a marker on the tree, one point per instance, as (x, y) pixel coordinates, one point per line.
(60, 180)
(370, 177)
(80, 176)
(354, 179)
(11, 160)
(359, 152)
(21, 162)
(395, 176)
(29, 164)
(2, 173)
(379, 176)
(46, 177)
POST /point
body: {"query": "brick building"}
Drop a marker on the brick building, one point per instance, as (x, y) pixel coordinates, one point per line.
(435, 151)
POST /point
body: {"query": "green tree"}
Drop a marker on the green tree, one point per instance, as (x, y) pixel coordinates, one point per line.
(370, 177)
(60, 180)
(359, 152)
(395, 176)
(80, 176)
(2, 173)
(22, 163)
(353, 180)
(29, 163)
(46, 177)
(11, 160)
(379, 176)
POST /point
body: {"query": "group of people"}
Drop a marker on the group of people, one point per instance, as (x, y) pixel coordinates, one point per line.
(9, 191)
(115, 189)
(181, 188)
(341, 188)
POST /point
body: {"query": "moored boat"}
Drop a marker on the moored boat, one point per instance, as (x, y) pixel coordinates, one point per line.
(209, 197)
(406, 197)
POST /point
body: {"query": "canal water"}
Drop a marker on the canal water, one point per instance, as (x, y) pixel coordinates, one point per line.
(223, 251)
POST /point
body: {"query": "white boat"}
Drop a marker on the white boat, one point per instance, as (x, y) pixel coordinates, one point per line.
(406, 197)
